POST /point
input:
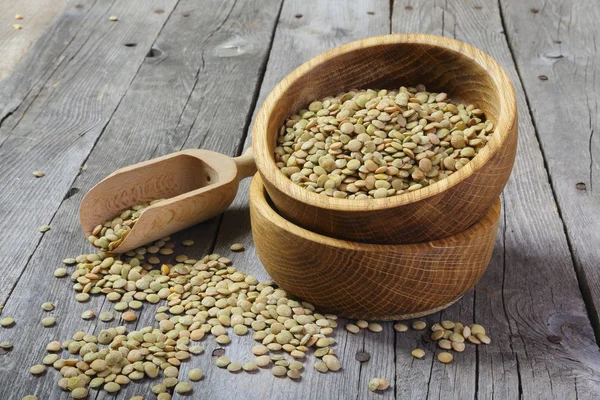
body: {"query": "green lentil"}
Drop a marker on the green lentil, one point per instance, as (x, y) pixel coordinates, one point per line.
(37, 369)
(195, 374)
(183, 387)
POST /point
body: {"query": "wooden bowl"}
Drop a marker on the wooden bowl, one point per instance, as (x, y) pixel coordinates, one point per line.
(364, 280)
(436, 211)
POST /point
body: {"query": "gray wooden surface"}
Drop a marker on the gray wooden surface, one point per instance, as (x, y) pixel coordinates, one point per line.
(81, 103)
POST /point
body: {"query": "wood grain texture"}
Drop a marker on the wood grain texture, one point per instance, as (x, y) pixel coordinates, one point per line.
(62, 125)
(14, 44)
(369, 281)
(61, 41)
(153, 118)
(437, 211)
(527, 293)
(196, 184)
(563, 49)
(306, 29)
(509, 300)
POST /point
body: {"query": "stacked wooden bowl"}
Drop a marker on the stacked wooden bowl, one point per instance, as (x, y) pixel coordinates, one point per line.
(396, 257)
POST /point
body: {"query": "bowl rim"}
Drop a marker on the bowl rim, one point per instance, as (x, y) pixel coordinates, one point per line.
(507, 117)
(258, 201)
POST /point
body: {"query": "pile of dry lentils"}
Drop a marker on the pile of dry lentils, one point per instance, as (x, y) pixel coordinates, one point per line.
(360, 144)
(378, 143)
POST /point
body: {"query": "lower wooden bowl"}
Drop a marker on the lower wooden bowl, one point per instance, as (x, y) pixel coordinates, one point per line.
(370, 281)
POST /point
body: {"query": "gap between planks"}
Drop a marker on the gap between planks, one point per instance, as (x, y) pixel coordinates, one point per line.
(584, 287)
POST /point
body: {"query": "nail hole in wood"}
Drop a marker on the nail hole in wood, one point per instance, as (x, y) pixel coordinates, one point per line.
(362, 357)
(153, 52)
(159, 11)
(581, 186)
(371, 12)
(534, 10)
(554, 339)
(478, 7)
(557, 41)
(542, 77)
(187, 14)
(408, 8)
(130, 44)
(79, 6)
(72, 192)
(218, 352)
(298, 15)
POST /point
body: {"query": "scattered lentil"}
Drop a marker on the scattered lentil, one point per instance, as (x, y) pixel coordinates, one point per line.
(249, 366)
(362, 324)
(459, 347)
(48, 322)
(234, 367)
(6, 345)
(419, 325)
(237, 247)
(378, 384)
(195, 374)
(60, 272)
(129, 316)
(418, 353)
(37, 369)
(82, 297)
(476, 329)
(262, 361)
(106, 316)
(279, 370)
(445, 357)
(483, 338)
(54, 346)
(223, 362)
(89, 314)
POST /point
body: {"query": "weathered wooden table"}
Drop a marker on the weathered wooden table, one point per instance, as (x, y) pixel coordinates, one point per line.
(90, 95)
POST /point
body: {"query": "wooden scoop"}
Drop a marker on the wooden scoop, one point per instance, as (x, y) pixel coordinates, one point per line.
(198, 185)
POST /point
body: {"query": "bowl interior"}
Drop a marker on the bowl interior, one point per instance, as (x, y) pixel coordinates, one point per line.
(465, 73)
(389, 66)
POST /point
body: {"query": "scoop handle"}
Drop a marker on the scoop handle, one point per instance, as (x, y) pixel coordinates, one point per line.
(245, 164)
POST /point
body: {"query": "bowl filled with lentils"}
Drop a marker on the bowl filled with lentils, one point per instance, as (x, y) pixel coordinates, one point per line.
(391, 139)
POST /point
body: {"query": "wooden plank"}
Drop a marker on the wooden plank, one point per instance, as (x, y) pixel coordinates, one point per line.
(64, 121)
(148, 122)
(59, 134)
(564, 52)
(306, 29)
(62, 39)
(36, 14)
(510, 301)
